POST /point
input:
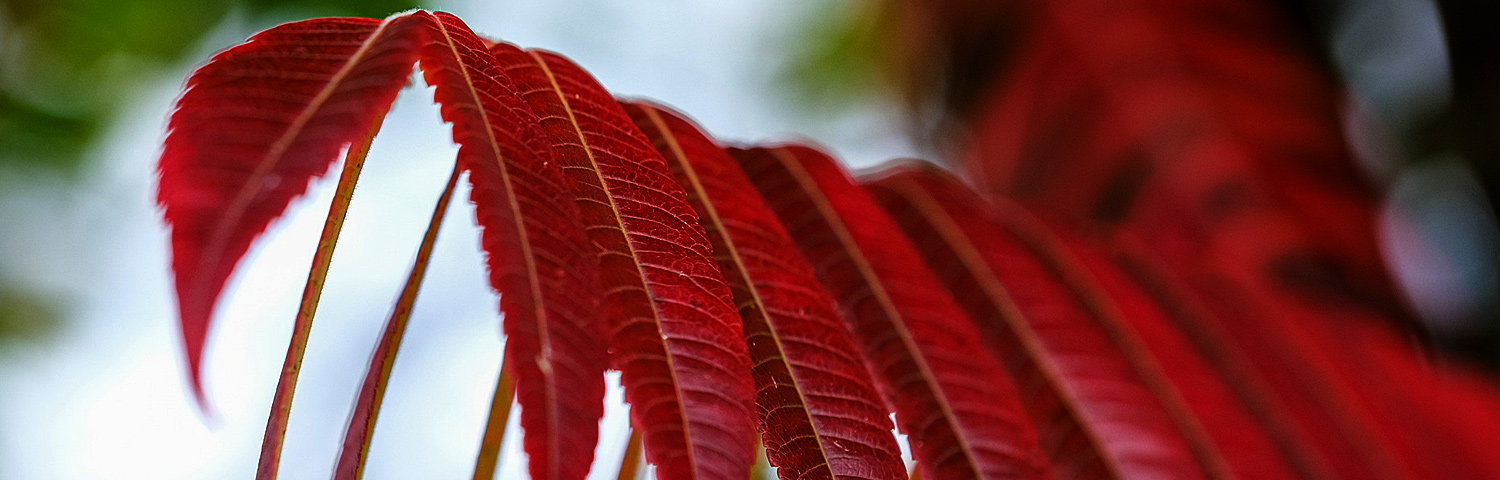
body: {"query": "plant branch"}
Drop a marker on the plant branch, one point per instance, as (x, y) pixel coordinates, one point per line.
(494, 428)
(630, 464)
(362, 424)
(270, 449)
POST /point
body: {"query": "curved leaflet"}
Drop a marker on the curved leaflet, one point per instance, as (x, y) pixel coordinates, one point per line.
(950, 396)
(1264, 368)
(538, 256)
(291, 109)
(820, 417)
(676, 337)
(1085, 372)
(1258, 435)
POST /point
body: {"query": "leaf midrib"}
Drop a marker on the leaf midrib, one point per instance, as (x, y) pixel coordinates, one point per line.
(277, 152)
(856, 255)
(946, 228)
(668, 356)
(734, 254)
(539, 314)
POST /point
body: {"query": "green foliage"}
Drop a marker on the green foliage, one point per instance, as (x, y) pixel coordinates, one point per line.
(70, 64)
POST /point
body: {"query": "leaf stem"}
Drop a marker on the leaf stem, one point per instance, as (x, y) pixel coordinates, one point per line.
(270, 448)
(494, 429)
(356, 446)
(630, 465)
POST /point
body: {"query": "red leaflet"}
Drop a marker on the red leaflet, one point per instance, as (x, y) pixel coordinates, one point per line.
(1252, 356)
(1457, 417)
(820, 417)
(253, 127)
(1460, 405)
(676, 337)
(1099, 400)
(1251, 352)
(1350, 353)
(537, 254)
(1220, 148)
(1256, 433)
(1172, 118)
(950, 396)
(1298, 427)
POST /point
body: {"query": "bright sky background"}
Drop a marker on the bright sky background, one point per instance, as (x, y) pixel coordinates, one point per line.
(106, 398)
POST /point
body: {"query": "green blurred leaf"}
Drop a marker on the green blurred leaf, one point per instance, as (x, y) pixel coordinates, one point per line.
(70, 63)
(841, 56)
(26, 316)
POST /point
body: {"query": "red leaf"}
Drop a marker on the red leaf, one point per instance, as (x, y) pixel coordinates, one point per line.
(1220, 149)
(950, 397)
(1238, 328)
(1461, 405)
(1099, 399)
(820, 417)
(1256, 433)
(536, 251)
(1379, 377)
(253, 128)
(1176, 119)
(676, 337)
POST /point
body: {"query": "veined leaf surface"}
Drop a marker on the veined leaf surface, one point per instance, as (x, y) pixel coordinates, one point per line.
(537, 254)
(1252, 349)
(950, 396)
(676, 336)
(1098, 399)
(291, 108)
(820, 416)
